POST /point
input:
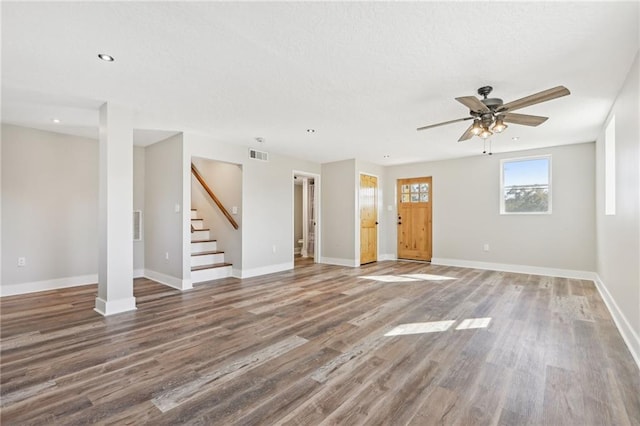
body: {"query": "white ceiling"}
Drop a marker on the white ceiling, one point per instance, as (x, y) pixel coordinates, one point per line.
(364, 75)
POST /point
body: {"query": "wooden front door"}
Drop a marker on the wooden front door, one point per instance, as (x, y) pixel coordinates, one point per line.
(414, 218)
(368, 219)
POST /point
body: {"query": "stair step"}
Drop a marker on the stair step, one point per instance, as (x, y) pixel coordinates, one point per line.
(206, 257)
(204, 246)
(197, 224)
(212, 266)
(203, 253)
(200, 234)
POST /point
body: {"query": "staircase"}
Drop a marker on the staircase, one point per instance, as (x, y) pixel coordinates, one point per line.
(207, 263)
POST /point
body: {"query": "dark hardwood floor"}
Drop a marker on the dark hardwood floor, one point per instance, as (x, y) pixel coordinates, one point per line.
(322, 344)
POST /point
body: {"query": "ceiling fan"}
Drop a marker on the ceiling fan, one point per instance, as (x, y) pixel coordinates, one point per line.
(489, 115)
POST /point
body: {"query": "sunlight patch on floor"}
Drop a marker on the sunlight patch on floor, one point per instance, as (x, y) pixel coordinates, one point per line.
(437, 326)
(474, 323)
(429, 277)
(420, 328)
(389, 278)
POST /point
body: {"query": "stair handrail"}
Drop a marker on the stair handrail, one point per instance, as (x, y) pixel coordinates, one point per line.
(215, 199)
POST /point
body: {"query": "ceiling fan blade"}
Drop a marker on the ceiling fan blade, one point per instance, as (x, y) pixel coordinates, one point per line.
(468, 134)
(536, 98)
(443, 123)
(473, 104)
(524, 119)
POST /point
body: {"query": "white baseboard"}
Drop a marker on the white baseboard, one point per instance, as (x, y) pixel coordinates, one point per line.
(46, 285)
(519, 269)
(628, 334)
(264, 270)
(138, 273)
(112, 307)
(387, 256)
(339, 262)
(165, 279)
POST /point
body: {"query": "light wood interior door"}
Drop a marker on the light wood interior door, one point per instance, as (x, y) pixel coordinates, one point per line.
(368, 219)
(415, 197)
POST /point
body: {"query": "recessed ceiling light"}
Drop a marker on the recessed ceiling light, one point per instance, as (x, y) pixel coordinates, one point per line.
(55, 120)
(311, 130)
(105, 57)
(386, 156)
(260, 140)
(515, 138)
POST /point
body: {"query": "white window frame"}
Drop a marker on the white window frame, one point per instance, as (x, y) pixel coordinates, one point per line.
(516, 159)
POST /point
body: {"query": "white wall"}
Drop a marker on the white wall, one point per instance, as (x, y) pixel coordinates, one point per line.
(618, 236)
(225, 180)
(163, 227)
(138, 204)
(338, 197)
(267, 201)
(466, 212)
(49, 209)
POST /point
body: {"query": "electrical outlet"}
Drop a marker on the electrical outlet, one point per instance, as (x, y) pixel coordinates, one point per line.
(485, 247)
(22, 261)
(166, 256)
(274, 248)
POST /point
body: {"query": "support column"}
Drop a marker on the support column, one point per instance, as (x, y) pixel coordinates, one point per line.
(115, 223)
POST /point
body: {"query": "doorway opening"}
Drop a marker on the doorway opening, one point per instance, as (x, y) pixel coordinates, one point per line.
(306, 197)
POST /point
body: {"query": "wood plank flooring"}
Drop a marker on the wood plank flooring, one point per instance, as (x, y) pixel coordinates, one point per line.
(309, 346)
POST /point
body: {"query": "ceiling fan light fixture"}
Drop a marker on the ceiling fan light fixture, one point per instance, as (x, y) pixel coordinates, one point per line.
(499, 126)
(485, 133)
(476, 128)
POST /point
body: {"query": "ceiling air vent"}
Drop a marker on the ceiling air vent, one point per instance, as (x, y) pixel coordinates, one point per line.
(258, 155)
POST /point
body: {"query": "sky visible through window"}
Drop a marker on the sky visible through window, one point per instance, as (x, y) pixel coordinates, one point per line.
(527, 172)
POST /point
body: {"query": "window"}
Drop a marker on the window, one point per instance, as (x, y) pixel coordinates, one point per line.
(610, 168)
(415, 193)
(525, 185)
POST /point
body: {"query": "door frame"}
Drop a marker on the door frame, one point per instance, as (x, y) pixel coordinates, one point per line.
(357, 215)
(316, 206)
(397, 203)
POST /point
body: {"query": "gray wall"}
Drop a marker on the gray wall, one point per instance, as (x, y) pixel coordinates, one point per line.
(618, 236)
(163, 227)
(466, 211)
(338, 196)
(225, 180)
(49, 205)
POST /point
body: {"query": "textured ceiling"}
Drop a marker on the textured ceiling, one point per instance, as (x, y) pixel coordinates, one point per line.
(364, 75)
